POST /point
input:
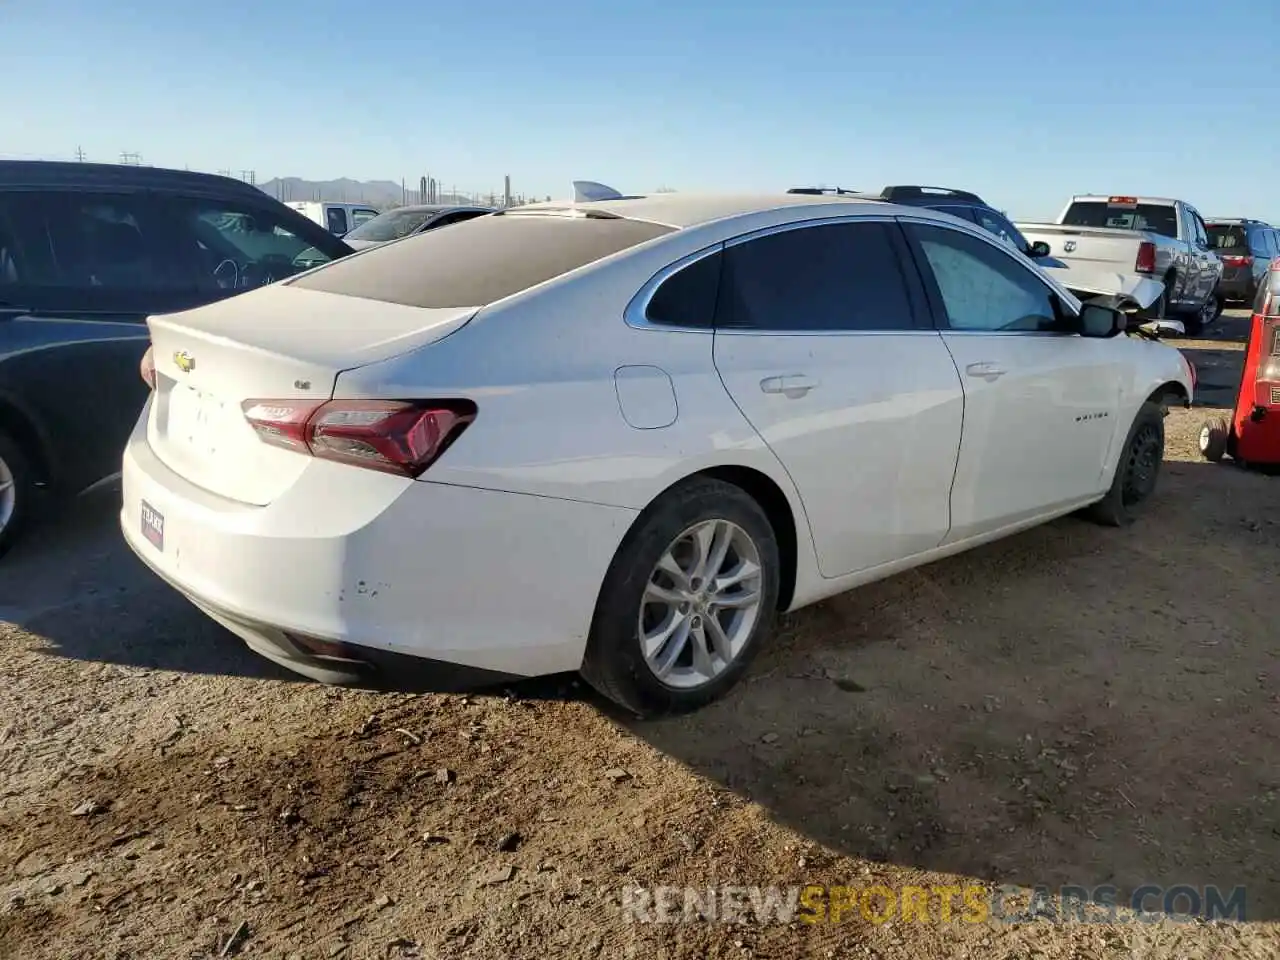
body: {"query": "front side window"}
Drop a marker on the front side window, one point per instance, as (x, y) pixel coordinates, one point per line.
(241, 247)
(826, 277)
(335, 219)
(981, 287)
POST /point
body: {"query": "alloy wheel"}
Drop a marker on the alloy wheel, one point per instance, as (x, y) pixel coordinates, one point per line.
(701, 604)
(8, 494)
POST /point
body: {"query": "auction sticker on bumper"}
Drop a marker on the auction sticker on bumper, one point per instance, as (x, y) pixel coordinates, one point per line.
(152, 525)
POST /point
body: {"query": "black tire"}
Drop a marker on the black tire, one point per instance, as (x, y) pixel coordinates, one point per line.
(1137, 470)
(15, 467)
(1215, 436)
(614, 663)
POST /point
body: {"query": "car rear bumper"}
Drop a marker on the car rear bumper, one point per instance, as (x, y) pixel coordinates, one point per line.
(503, 585)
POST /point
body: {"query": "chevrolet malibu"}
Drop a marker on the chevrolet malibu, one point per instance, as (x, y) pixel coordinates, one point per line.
(618, 436)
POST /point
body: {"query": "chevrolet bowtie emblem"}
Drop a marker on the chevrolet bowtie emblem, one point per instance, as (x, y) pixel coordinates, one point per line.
(184, 361)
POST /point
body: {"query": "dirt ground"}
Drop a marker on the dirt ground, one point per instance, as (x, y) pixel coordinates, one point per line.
(1075, 705)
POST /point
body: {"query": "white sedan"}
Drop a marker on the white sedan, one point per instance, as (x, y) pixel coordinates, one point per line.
(619, 436)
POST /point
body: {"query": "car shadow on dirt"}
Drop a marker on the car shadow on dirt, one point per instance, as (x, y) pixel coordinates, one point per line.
(73, 583)
(1072, 706)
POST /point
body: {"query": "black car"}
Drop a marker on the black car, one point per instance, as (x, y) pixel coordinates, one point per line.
(1246, 247)
(405, 221)
(958, 203)
(87, 253)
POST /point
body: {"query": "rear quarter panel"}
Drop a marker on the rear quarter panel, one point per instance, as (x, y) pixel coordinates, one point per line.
(541, 368)
(76, 384)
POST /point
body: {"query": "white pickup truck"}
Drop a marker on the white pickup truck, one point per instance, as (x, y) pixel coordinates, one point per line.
(1154, 237)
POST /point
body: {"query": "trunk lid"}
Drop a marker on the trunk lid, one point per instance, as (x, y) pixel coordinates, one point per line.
(275, 343)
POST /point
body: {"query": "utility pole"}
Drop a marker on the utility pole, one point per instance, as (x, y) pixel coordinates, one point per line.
(80, 154)
(133, 159)
(506, 190)
(404, 195)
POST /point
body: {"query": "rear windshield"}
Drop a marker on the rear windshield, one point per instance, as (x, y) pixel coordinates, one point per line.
(1158, 218)
(1227, 237)
(479, 261)
(391, 225)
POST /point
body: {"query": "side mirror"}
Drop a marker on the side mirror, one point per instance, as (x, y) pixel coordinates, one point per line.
(1101, 322)
(1039, 249)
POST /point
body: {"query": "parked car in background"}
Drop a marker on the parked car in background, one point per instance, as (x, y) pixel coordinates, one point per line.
(1246, 247)
(87, 253)
(404, 221)
(768, 400)
(959, 203)
(338, 218)
(1152, 236)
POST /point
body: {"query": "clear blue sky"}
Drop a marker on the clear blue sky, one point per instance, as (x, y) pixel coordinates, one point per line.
(1025, 102)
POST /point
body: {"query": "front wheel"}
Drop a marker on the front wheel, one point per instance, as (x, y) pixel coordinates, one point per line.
(1137, 470)
(17, 489)
(686, 603)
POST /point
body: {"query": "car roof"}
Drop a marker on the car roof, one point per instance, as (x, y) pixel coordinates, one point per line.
(70, 175)
(681, 210)
(1243, 220)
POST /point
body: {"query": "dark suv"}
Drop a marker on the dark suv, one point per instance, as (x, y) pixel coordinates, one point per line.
(958, 203)
(1245, 247)
(87, 253)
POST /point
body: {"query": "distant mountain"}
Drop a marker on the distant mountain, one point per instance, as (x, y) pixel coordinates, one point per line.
(376, 193)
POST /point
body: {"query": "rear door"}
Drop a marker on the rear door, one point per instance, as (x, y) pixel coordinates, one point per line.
(1207, 265)
(1039, 405)
(821, 341)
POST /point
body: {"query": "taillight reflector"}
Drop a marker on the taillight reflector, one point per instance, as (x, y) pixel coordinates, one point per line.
(394, 436)
(1146, 262)
(148, 367)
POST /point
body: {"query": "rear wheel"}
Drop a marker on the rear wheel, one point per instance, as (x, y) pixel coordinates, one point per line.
(1137, 471)
(1215, 435)
(688, 600)
(17, 488)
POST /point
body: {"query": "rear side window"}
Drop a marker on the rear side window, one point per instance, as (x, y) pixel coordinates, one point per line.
(834, 276)
(687, 298)
(1158, 218)
(109, 242)
(1258, 245)
(336, 220)
(479, 261)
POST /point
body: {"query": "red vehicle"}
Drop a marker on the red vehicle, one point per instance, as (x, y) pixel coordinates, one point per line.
(1253, 435)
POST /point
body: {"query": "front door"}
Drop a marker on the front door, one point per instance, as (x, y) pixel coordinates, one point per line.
(1040, 404)
(822, 346)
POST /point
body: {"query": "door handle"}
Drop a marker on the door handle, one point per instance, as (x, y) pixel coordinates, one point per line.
(989, 372)
(792, 387)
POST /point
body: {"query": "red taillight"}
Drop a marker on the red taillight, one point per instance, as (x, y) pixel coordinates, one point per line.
(1146, 262)
(148, 367)
(390, 435)
(1238, 261)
